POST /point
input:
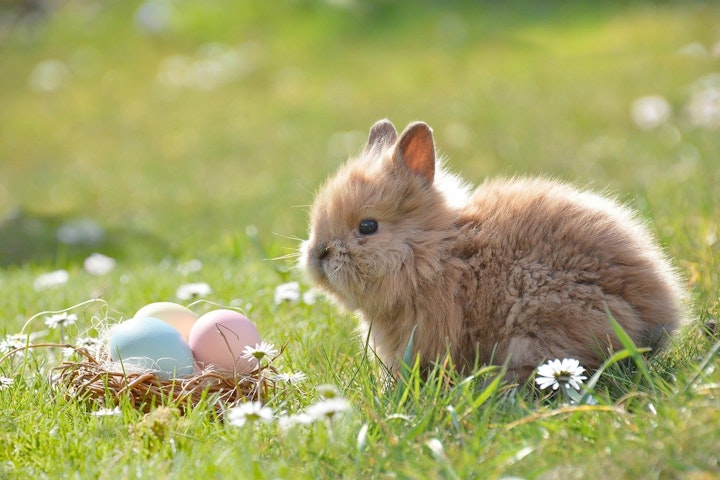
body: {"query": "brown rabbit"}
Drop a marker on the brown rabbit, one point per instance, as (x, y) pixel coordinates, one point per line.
(520, 271)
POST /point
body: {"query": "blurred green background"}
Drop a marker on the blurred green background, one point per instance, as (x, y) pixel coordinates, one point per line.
(174, 125)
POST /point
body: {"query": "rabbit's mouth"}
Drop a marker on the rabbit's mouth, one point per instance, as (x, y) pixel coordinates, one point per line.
(327, 263)
(328, 260)
(313, 259)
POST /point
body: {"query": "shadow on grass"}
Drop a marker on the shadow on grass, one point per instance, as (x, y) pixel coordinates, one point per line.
(62, 240)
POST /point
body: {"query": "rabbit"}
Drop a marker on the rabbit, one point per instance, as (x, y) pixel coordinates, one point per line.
(520, 271)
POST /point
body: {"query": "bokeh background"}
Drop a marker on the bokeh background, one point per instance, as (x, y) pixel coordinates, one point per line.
(147, 130)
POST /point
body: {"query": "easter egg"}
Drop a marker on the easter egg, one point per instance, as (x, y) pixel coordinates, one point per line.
(176, 315)
(219, 337)
(149, 344)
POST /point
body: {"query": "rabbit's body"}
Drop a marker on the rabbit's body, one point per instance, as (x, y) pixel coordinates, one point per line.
(521, 271)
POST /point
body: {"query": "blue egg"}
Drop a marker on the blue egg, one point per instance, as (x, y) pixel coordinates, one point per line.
(149, 344)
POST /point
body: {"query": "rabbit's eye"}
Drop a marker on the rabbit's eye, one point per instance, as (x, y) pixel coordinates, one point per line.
(367, 226)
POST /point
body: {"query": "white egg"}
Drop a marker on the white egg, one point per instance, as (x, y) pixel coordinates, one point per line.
(176, 315)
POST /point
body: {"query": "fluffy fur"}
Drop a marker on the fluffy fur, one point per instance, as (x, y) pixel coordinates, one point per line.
(520, 271)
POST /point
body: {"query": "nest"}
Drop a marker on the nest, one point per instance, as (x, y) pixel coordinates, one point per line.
(90, 380)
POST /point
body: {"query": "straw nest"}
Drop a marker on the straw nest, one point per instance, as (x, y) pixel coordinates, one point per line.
(91, 379)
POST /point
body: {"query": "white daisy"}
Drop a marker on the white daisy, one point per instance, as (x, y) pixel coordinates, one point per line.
(51, 279)
(91, 344)
(260, 351)
(294, 377)
(249, 412)
(6, 382)
(99, 264)
(328, 409)
(190, 266)
(704, 105)
(565, 372)
(106, 412)
(310, 297)
(60, 320)
(327, 391)
(193, 290)
(286, 422)
(650, 112)
(287, 292)
(12, 342)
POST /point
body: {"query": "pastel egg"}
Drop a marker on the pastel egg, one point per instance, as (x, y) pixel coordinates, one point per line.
(149, 344)
(219, 337)
(176, 315)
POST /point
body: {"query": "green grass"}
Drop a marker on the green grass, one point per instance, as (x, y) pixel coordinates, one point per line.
(173, 174)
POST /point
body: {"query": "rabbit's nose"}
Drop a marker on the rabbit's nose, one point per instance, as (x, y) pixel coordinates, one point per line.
(322, 252)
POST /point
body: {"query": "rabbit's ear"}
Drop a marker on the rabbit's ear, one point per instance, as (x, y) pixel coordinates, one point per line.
(416, 150)
(382, 134)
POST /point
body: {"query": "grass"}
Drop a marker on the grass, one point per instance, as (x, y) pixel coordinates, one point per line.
(223, 173)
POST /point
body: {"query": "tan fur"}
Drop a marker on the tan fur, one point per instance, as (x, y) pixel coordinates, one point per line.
(520, 272)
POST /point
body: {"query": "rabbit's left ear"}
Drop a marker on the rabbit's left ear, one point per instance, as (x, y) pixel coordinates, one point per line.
(416, 150)
(382, 134)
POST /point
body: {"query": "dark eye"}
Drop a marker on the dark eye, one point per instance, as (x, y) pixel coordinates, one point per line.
(367, 226)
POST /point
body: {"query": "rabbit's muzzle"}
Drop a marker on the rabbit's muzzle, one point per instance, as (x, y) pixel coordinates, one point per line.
(325, 260)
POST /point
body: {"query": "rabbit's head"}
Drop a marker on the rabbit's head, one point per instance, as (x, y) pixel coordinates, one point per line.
(380, 227)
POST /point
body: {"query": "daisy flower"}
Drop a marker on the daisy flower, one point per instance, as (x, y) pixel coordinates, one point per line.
(260, 351)
(99, 264)
(287, 292)
(328, 409)
(106, 412)
(566, 372)
(6, 382)
(650, 112)
(60, 320)
(704, 105)
(193, 290)
(327, 391)
(286, 422)
(51, 279)
(12, 342)
(190, 266)
(91, 344)
(310, 297)
(249, 412)
(294, 377)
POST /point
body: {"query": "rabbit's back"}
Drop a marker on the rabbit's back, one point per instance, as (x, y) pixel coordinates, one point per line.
(544, 261)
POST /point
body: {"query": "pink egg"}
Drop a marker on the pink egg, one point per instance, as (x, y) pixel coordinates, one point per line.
(219, 337)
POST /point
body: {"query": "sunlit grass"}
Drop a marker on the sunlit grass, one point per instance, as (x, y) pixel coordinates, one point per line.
(224, 173)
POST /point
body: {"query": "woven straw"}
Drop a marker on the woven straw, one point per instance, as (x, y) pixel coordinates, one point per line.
(90, 380)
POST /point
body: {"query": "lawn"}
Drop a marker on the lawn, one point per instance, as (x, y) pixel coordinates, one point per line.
(185, 140)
